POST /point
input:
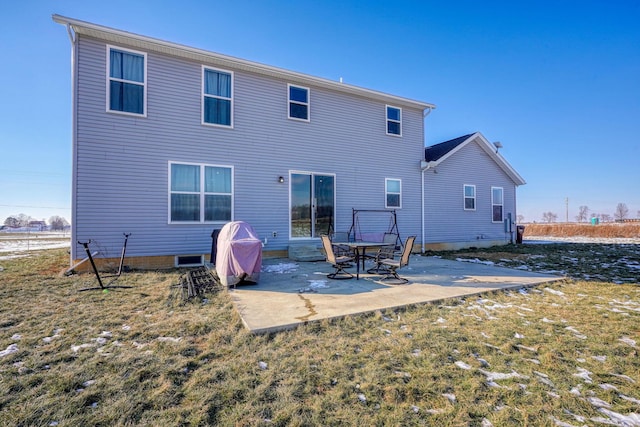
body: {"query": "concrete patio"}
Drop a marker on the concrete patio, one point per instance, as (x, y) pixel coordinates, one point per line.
(292, 293)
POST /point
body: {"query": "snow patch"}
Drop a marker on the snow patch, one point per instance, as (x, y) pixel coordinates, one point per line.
(475, 261)
(12, 348)
(584, 374)
(169, 339)
(280, 268)
(450, 396)
(497, 376)
(554, 292)
(460, 364)
(628, 341)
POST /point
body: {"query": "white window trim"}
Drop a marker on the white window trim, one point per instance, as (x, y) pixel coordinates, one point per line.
(464, 197)
(289, 102)
(203, 95)
(387, 120)
(497, 204)
(202, 193)
(109, 78)
(386, 193)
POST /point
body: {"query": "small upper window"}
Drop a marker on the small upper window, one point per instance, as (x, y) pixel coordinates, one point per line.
(217, 102)
(393, 191)
(126, 90)
(394, 121)
(298, 103)
(469, 197)
(497, 204)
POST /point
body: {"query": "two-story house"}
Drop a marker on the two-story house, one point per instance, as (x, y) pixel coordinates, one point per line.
(171, 142)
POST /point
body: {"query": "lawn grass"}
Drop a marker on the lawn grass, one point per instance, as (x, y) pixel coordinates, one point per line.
(558, 354)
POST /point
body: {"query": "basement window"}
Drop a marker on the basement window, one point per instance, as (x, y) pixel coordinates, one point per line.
(189, 260)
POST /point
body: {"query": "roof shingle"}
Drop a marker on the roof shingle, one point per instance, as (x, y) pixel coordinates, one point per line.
(435, 152)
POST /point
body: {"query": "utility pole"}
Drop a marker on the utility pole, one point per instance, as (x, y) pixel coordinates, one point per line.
(566, 201)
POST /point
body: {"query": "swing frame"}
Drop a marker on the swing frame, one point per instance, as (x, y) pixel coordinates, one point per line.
(354, 230)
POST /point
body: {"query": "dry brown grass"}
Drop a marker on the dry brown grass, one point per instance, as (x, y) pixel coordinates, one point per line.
(613, 230)
(145, 363)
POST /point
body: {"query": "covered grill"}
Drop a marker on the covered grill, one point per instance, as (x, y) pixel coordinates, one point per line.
(239, 254)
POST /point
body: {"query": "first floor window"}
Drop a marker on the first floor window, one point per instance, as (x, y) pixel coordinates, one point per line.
(394, 121)
(126, 81)
(393, 190)
(217, 88)
(200, 193)
(497, 204)
(469, 197)
(298, 103)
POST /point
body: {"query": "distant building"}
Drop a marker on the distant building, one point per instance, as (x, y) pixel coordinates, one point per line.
(38, 226)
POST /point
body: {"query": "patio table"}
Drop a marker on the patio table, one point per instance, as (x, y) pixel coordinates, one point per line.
(357, 247)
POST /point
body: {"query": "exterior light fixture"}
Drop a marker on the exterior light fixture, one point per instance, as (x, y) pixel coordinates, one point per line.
(281, 179)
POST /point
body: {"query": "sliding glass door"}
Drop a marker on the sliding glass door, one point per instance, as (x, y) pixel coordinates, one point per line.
(312, 204)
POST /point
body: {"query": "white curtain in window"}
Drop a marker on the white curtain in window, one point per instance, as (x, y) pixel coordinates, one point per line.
(217, 106)
(127, 66)
(217, 180)
(185, 178)
(126, 96)
(217, 84)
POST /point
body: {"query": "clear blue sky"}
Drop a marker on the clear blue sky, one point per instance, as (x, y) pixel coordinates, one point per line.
(557, 82)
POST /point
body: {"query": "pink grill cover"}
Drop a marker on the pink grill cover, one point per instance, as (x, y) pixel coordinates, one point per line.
(239, 254)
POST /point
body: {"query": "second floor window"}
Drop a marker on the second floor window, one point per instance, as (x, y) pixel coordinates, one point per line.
(217, 103)
(298, 103)
(126, 81)
(394, 121)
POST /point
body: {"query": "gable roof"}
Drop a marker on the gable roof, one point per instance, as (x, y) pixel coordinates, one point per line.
(438, 153)
(435, 152)
(112, 35)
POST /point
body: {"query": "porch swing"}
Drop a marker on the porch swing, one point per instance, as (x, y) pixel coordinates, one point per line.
(372, 220)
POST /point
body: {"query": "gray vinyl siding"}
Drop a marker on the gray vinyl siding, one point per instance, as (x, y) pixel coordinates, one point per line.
(122, 161)
(445, 217)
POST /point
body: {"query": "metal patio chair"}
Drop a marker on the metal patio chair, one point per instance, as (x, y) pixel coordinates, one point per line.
(338, 238)
(339, 262)
(388, 251)
(393, 265)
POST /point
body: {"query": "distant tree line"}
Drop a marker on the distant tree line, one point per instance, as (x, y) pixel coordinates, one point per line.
(55, 222)
(585, 215)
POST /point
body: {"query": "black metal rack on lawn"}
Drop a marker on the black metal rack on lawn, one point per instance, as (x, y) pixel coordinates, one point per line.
(95, 269)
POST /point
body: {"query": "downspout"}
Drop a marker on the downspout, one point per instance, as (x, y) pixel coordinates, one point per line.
(422, 169)
(423, 212)
(74, 138)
